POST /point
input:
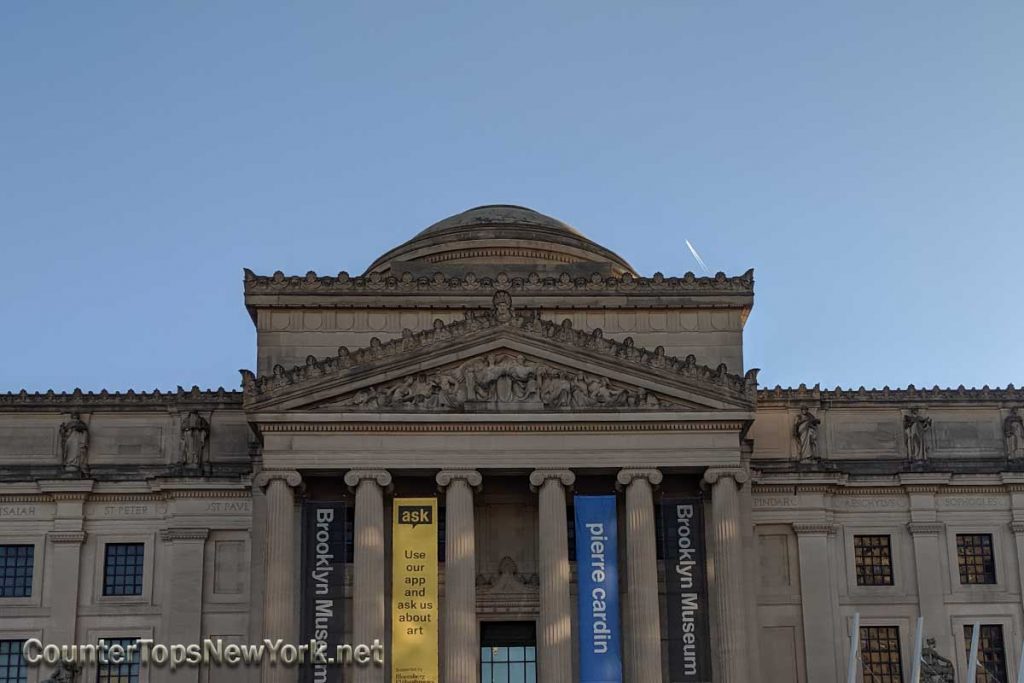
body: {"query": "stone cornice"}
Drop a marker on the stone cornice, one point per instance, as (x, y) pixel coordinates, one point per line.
(477, 325)
(814, 528)
(824, 398)
(1017, 527)
(484, 427)
(627, 475)
(445, 477)
(539, 476)
(925, 528)
(179, 534)
(561, 285)
(69, 537)
(81, 400)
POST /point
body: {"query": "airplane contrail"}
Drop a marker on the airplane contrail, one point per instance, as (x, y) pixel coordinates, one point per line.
(693, 251)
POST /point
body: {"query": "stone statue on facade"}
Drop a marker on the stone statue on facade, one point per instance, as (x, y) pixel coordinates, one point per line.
(915, 429)
(74, 444)
(805, 431)
(195, 431)
(64, 673)
(1013, 430)
(934, 667)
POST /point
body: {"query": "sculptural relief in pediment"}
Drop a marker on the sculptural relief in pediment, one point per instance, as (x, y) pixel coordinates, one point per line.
(503, 380)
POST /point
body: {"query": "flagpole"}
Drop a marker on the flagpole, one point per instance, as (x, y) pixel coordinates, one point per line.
(851, 669)
(915, 675)
(972, 663)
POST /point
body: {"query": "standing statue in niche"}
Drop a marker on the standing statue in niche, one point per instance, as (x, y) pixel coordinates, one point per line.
(64, 673)
(74, 444)
(805, 431)
(915, 428)
(1013, 430)
(934, 667)
(195, 431)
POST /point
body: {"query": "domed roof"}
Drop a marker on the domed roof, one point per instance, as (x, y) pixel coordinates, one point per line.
(500, 238)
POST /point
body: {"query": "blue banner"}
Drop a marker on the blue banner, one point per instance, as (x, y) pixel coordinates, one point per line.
(597, 580)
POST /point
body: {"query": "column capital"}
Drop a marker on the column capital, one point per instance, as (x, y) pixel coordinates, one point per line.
(627, 475)
(290, 477)
(180, 534)
(1017, 527)
(565, 477)
(354, 477)
(814, 528)
(925, 528)
(75, 537)
(738, 474)
(472, 478)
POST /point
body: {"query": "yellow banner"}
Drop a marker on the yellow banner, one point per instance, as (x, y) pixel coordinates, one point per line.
(414, 627)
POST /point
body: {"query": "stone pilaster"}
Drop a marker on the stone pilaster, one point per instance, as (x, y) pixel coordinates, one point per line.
(728, 598)
(280, 598)
(817, 599)
(369, 572)
(461, 634)
(927, 534)
(644, 664)
(554, 630)
(183, 593)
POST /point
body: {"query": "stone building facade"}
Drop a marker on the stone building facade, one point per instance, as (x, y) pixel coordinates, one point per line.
(503, 363)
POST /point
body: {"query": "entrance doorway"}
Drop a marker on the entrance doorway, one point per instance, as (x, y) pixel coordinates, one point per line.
(508, 652)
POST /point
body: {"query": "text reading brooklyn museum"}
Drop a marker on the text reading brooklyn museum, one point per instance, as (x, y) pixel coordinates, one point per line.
(506, 457)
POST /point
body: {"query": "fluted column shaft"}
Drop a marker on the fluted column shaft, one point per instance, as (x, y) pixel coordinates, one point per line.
(730, 629)
(280, 598)
(461, 636)
(644, 665)
(369, 571)
(554, 630)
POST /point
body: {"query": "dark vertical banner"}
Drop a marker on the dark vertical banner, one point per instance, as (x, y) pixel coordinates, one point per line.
(323, 584)
(689, 637)
(597, 581)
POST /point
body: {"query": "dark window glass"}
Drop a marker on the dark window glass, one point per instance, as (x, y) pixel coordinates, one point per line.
(508, 652)
(16, 570)
(350, 534)
(570, 511)
(127, 671)
(440, 533)
(880, 654)
(991, 653)
(873, 560)
(13, 667)
(122, 570)
(975, 557)
(659, 533)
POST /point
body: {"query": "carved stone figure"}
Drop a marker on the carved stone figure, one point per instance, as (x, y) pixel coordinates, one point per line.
(74, 440)
(64, 673)
(934, 667)
(1013, 429)
(806, 433)
(503, 379)
(195, 431)
(915, 429)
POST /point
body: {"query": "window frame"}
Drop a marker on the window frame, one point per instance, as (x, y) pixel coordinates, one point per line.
(38, 563)
(892, 560)
(899, 545)
(901, 648)
(1000, 545)
(148, 564)
(962, 645)
(90, 671)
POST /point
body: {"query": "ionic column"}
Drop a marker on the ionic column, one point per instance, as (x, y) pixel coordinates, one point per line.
(554, 630)
(369, 571)
(280, 599)
(644, 665)
(461, 636)
(730, 627)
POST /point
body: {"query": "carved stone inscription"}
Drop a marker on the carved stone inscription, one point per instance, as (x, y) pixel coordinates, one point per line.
(502, 379)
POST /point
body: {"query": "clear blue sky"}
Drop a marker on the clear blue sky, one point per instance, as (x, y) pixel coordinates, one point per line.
(866, 158)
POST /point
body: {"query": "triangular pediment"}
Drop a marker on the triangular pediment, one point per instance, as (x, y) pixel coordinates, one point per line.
(500, 361)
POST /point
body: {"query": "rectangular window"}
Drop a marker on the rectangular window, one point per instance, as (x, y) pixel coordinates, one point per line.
(16, 563)
(123, 568)
(13, 667)
(125, 670)
(991, 653)
(873, 560)
(508, 652)
(976, 559)
(880, 654)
